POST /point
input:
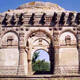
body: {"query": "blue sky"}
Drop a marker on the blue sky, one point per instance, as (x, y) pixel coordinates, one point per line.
(43, 55)
(73, 5)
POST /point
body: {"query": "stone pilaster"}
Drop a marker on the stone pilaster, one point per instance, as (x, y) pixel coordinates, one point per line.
(56, 68)
(56, 52)
(29, 63)
(21, 52)
(21, 63)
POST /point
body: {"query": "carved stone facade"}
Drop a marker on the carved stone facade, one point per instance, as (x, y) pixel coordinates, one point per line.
(21, 34)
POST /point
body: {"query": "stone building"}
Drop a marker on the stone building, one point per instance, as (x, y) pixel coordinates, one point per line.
(39, 25)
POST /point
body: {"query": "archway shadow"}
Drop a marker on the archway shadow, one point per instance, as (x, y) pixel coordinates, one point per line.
(52, 58)
(52, 62)
(78, 53)
(42, 72)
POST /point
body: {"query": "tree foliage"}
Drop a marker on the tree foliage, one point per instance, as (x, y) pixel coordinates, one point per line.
(35, 56)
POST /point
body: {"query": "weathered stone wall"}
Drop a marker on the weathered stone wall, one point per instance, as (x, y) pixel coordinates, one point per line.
(21, 34)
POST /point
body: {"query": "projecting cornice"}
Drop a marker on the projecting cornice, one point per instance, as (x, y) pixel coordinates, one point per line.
(57, 19)
(39, 14)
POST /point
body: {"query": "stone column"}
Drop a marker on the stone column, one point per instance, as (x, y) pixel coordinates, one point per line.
(29, 63)
(21, 63)
(21, 56)
(21, 52)
(56, 68)
(56, 52)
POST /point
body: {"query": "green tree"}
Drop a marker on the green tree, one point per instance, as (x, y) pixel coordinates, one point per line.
(35, 56)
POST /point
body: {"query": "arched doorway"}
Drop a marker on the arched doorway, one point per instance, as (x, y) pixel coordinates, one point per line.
(40, 40)
(41, 62)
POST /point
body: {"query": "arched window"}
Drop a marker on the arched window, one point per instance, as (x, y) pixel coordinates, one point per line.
(68, 40)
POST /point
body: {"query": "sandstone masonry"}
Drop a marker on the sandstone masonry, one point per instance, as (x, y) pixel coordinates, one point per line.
(35, 26)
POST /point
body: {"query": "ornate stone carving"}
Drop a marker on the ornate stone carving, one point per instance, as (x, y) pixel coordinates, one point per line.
(20, 21)
(13, 20)
(77, 20)
(54, 19)
(31, 21)
(42, 21)
(62, 19)
(5, 20)
(70, 18)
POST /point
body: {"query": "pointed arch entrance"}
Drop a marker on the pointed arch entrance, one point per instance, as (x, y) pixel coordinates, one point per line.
(40, 40)
(41, 62)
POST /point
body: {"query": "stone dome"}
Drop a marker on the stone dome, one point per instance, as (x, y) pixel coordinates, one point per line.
(41, 5)
(38, 8)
